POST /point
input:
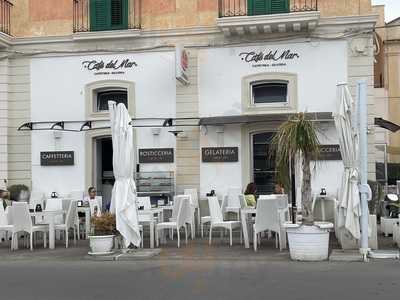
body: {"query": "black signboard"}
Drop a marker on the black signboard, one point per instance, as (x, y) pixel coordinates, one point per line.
(329, 152)
(57, 158)
(156, 155)
(220, 154)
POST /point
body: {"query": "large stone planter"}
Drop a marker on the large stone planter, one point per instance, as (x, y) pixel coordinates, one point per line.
(308, 243)
(101, 245)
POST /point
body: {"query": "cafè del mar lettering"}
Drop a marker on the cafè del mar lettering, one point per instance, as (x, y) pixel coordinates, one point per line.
(113, 66)
(269, 58)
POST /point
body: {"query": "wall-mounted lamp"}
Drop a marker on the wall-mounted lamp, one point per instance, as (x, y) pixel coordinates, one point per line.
(175, 132)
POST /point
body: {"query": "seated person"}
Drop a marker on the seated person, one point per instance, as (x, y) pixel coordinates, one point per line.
(94, 201)
(279, 189)
(250, 194)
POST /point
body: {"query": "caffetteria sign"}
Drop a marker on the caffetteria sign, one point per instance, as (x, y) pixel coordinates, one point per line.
(57, 158)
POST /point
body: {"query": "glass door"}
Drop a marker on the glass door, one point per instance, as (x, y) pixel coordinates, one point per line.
(264, 173)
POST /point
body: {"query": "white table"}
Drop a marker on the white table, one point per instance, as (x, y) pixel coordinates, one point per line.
(86, 211)
(323, 198)
(50, 215)
(151, 213)
(243, 216)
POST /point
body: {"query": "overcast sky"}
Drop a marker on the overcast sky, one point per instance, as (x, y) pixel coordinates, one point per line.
(392, 10)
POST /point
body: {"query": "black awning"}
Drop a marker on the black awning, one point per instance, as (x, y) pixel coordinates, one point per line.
(387, 124)
(261, 118)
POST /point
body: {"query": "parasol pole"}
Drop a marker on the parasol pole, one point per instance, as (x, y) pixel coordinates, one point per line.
(365, 191)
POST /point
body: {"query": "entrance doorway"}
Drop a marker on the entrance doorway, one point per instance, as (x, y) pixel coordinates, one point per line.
(104, 176)
(264, 171)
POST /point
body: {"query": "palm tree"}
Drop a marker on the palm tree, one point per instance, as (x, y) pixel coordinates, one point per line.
(297, 137)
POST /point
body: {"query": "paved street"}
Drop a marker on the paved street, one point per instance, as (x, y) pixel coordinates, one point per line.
(197, 279)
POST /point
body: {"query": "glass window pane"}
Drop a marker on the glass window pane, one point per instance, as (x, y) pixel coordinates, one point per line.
(104, 97)
(269, 92)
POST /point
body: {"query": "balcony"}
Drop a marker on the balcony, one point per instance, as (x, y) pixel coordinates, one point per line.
(238, 17)
(5, 16)
(105, 15)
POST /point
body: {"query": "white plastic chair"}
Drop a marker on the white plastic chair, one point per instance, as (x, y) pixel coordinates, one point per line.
(146, 218)
(267, 218)
(54, 204)
(231, 202)
(95, 206)
(217, 220)
(36, 198)
(145, 202)
(23, 223)
(69, 222)
(76, 195)
(194, 200)
(5, 225)
(180, 217)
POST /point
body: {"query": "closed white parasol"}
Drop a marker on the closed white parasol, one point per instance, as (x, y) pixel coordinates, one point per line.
(349, 196)
(123, 201)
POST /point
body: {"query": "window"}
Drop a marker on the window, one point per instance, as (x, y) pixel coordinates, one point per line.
(266, 7)
(108, 14)
(269, 92)
(266, 92)
(119, 96)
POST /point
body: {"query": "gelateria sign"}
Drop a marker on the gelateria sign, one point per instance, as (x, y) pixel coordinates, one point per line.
(109, 67)
(269, 58)
(219, 154)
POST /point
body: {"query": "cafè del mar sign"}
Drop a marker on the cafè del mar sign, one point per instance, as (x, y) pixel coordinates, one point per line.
(269, 58)
(109, 67)
(219, 154)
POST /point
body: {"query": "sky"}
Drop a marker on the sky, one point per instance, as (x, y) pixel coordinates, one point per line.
(392, 8)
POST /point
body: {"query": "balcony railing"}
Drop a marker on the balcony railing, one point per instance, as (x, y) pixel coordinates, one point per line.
(82, 21)
(5, 16)
(235, 8)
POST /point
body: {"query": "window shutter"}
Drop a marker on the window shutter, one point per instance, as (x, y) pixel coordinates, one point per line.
(257, 7)
(119, 14)
(279, 6)
(108, 14)
(99, 15)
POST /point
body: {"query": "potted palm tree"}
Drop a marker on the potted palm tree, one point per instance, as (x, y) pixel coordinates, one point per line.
(103, 232)
(297, 139)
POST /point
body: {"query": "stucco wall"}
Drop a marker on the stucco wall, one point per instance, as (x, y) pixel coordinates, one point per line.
(44, 18)
(58, 95)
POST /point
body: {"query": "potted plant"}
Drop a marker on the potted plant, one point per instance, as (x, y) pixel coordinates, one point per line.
(103, 232)
(297, 139)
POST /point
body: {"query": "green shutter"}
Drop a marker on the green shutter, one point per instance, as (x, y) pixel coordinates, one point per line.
(265, 7)
(279, 6)
(108, 14)
(119, 14)
(99, 15)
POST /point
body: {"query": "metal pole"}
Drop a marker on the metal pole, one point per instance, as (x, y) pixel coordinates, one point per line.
(362, 104)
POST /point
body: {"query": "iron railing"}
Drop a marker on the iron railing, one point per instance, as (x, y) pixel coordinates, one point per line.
(235, 8)
(5, 16)
(81, 15)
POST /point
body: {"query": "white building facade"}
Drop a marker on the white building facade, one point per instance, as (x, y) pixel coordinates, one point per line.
(241, 88)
